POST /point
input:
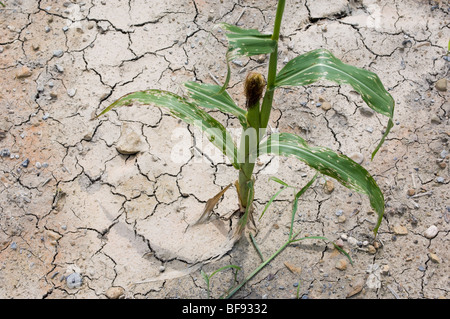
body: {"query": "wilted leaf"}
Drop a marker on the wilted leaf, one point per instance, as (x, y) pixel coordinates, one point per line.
(186, 111)
(327, 162)
(322, 64)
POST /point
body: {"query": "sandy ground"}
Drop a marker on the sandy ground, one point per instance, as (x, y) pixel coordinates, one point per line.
(80, 219)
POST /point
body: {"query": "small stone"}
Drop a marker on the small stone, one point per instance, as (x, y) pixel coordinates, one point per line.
(441, 85)
(434, 258)
(342, 219)
(440, 180)
(385, 270)
(339, 243)
(341, 264)
(13, 245)
(59, 68)
(58, 53)
(352, 241)
(443, 153)
(24, 72)
(400, 230)
(357, 157)
(328, 186)
(442, 165)
(344, 236)
(129, 142)
(5, 152)
(25, 163)
(326, 106)
(411, 192)
(114, 292)
(435, 119)
(74, 281)
(373, 282)
(38, 165)
(71, 92)
(431, 232)
(162, 268)
(371, 250)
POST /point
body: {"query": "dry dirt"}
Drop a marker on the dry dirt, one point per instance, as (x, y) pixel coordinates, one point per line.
(78, 219)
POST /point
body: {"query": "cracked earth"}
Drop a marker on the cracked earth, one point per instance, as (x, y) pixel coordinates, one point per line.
(103, 208)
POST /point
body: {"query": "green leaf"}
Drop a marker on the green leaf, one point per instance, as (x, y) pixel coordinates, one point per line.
(322, 64)
(186, 111)
(327, 162)
(245, 42)
(210, 96)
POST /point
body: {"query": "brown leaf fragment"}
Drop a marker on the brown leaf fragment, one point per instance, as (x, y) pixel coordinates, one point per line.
(292, 268)
(209, 206)
(356, 290)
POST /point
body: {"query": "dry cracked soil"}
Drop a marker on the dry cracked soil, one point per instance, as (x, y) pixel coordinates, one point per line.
(105, 208)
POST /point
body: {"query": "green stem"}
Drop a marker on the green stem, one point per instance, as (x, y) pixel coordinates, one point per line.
(257, 270)
(246, 171)
(272, 72)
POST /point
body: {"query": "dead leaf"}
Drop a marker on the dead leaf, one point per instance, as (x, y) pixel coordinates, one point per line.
(292, 268)
(210, 204)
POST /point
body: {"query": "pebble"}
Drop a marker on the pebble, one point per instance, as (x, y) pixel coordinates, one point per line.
(13, 245)
(71, 92)
(339, 243)
(357, 157)
(352, 241)
(58, 53)
(129, 142)
(431, 232)
(441, 85)
(328, 186)
(326, 106)
(25, 163)
(342, 219)
(59, 68)
(411, 192)
(385, 270)
(74, 280)
(339, 212)
(400, 230)
(114, 292)
(434, 258)
(371, 250)
(440, 180)
(24, 72)
(341, 264)
(5, 152)
(444, 153)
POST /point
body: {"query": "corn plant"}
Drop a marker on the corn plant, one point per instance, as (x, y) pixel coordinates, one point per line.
(254, 116)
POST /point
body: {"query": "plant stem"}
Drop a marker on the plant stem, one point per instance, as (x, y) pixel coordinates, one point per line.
(268, 97)
(261, 266)
(246, 171)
